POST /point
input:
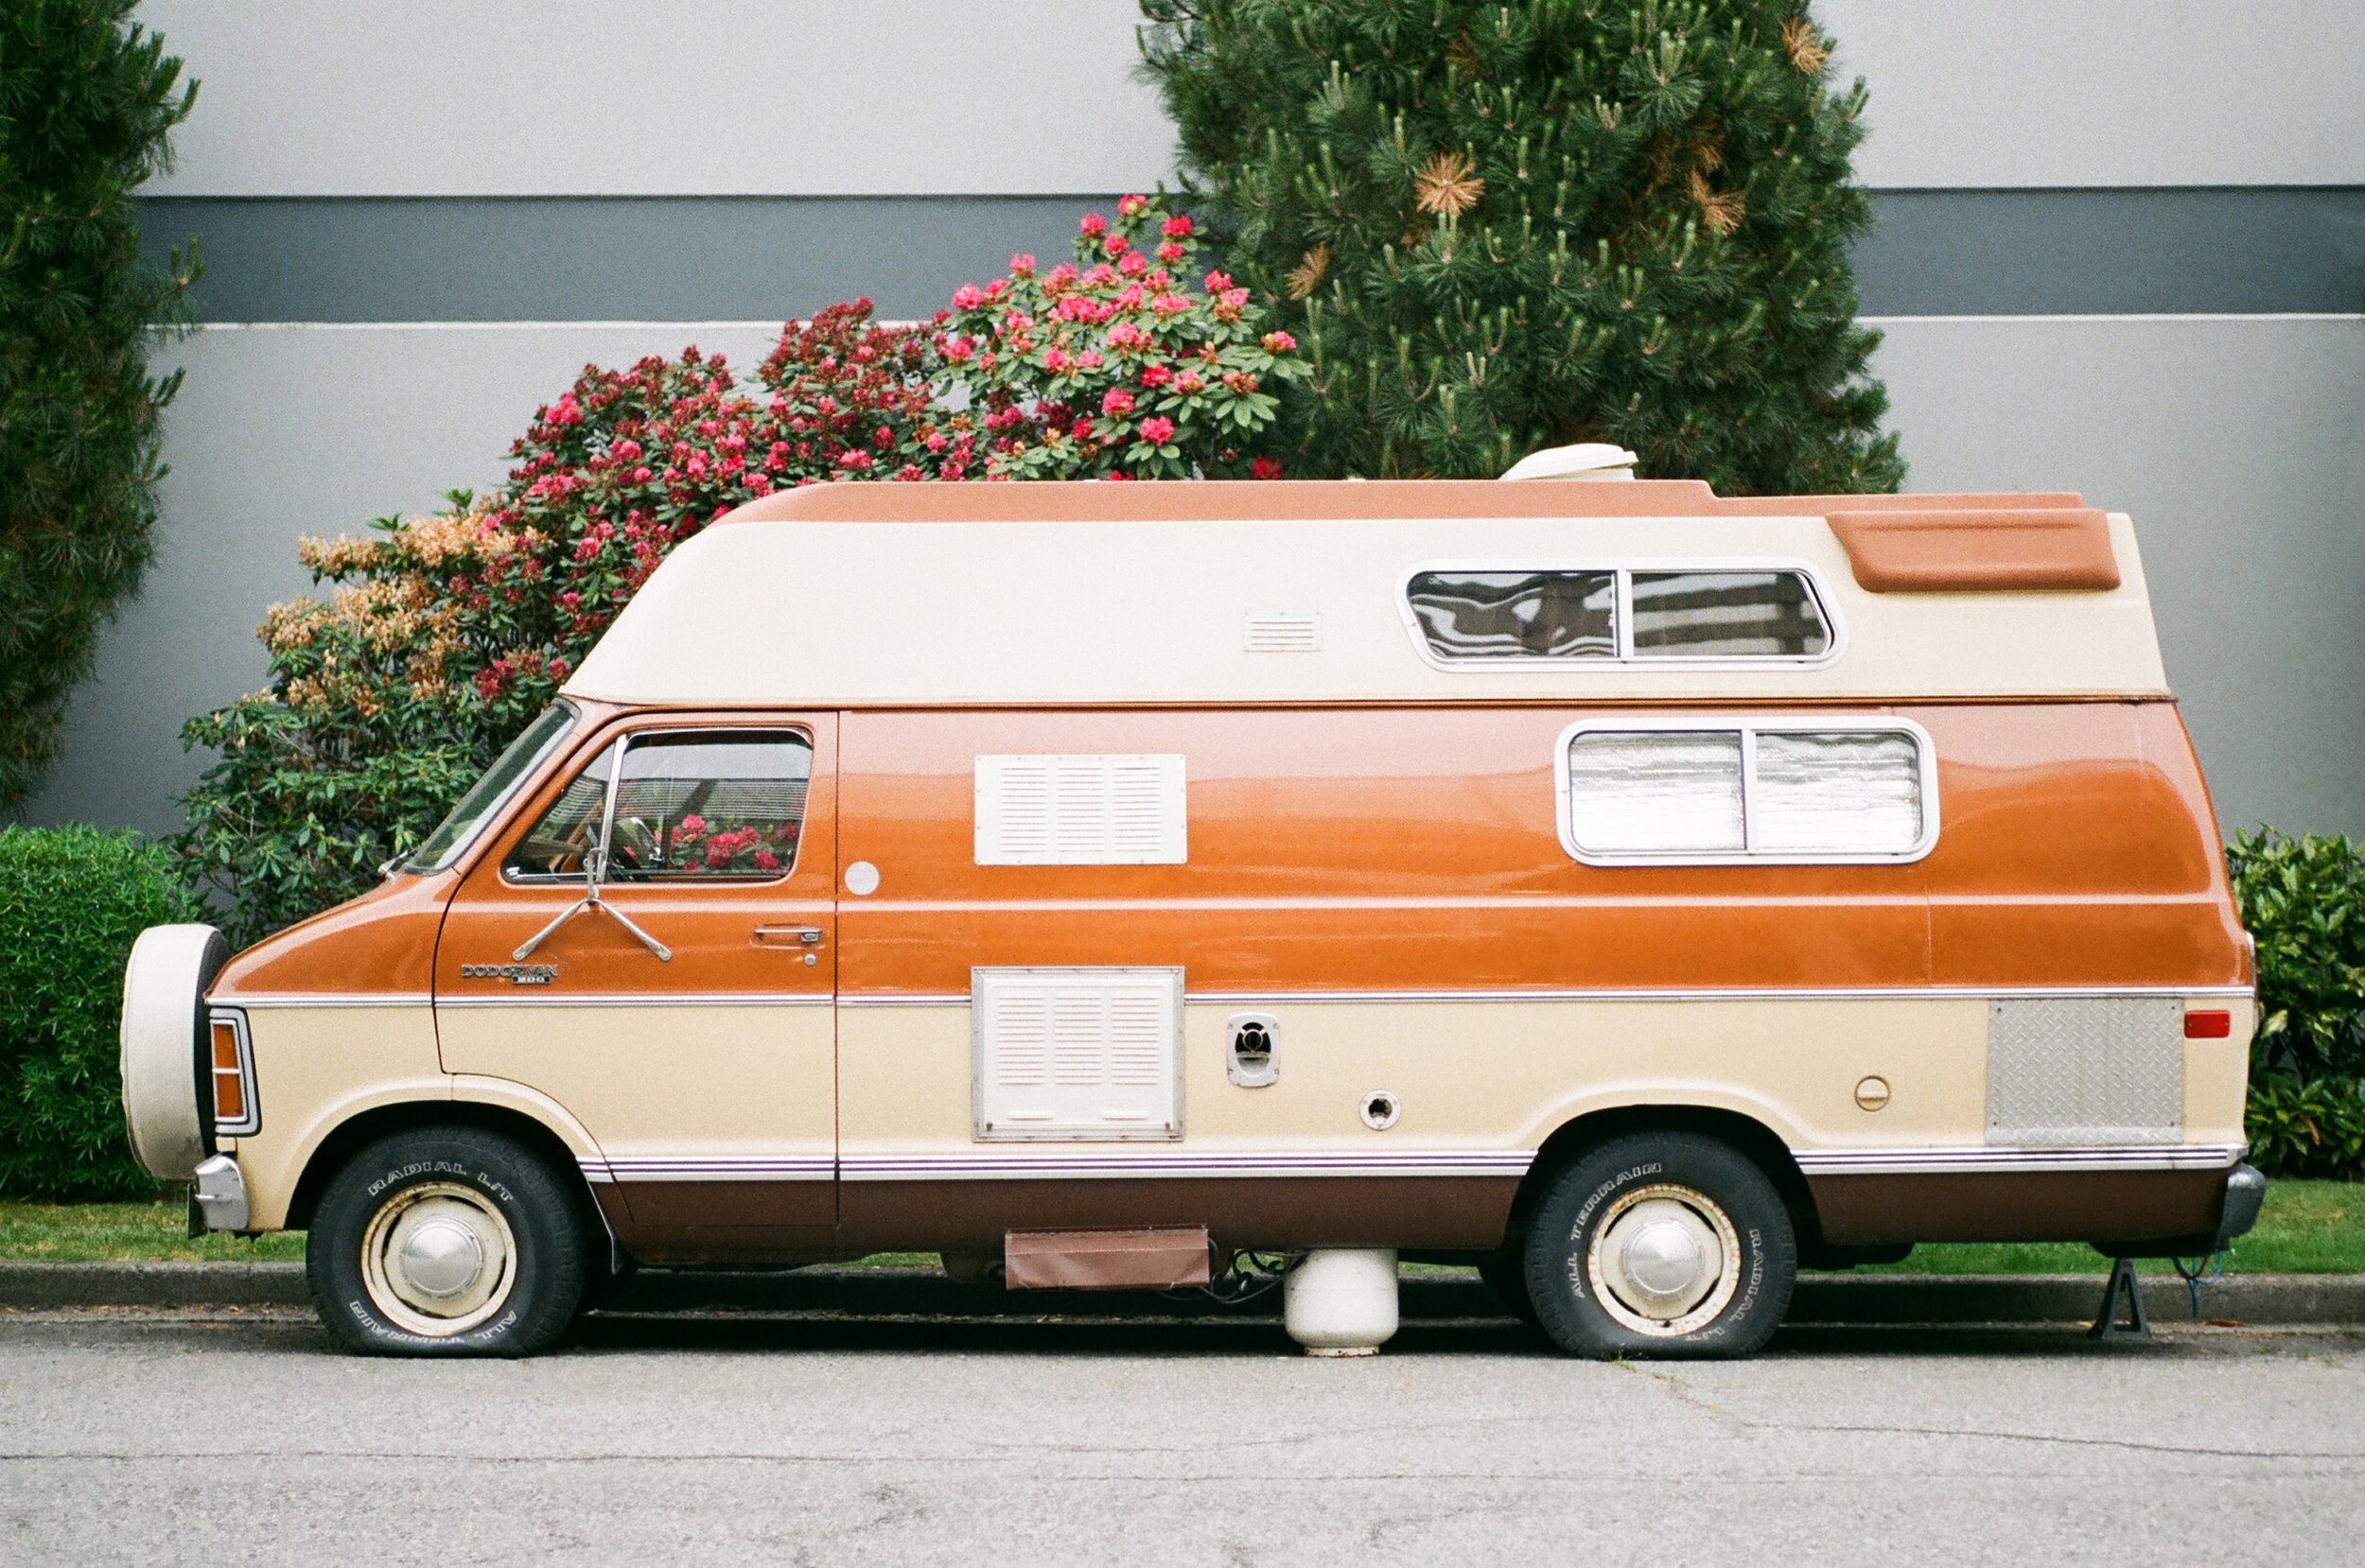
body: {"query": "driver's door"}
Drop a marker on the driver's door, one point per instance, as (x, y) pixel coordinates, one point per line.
(683, 1011)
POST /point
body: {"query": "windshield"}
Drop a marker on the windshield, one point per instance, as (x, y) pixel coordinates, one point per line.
(489, 793)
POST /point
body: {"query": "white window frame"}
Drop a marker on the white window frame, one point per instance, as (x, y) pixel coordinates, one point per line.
(1621, 616)
(1750, 725)
(624, 738)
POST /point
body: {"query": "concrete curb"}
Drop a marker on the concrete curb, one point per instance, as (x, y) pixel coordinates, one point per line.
(1830, 1298)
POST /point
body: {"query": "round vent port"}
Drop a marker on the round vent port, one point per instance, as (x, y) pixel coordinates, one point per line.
(1250, 1060)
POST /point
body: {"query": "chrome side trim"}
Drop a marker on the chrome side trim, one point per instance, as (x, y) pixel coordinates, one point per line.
(1029, 1164)
(1768, 993)
(1022, 1164)
(819, 1167)
(545, 998)
(899, 998)
(1032, 1164)
(326, 999)
(1965, 1162)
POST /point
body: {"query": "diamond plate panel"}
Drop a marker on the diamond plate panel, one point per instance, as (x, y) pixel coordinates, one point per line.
(2079, 1071)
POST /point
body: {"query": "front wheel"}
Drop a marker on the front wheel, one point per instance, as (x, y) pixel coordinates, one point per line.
(447, 1241)
(1661, 1244)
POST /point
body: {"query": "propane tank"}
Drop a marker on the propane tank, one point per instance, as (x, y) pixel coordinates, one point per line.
(1341, 1302)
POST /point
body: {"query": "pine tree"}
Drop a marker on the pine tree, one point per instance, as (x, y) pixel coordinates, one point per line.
(87, 100)
(1504, 227)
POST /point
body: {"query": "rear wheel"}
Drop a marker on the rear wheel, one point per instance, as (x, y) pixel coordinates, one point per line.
(447, 1241)
(1661, 1244)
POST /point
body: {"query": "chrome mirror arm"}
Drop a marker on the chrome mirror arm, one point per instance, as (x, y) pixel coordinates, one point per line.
(591, 901)
(587, 901)
(594, 873)
(664, 953)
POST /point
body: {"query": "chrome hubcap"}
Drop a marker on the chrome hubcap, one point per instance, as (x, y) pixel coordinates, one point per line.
(1665, 1260)
(438, 1259)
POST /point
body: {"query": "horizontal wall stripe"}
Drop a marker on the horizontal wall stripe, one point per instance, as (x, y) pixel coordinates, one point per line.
(597, 258)
(2235, 251)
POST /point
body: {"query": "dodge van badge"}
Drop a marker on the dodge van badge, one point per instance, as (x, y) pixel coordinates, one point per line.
(517, 974)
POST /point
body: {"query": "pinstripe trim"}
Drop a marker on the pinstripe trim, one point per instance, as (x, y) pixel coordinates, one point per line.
(1020, 1165)
(819, 1167)
(2155, 1156)
(537, 995)
(544, 997)
(326, 998)
(1797, 993)
(1032, 1165)
(1024, 1165)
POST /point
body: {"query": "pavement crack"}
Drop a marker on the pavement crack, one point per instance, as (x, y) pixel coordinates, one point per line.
(2132, 1445)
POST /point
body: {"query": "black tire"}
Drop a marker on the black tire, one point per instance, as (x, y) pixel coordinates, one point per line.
(1736, 1209)
(521, 1211)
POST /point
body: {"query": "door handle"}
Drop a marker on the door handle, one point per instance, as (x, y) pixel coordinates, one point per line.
(788, 936)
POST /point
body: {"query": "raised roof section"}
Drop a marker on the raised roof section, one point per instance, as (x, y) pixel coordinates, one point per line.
(885, 594)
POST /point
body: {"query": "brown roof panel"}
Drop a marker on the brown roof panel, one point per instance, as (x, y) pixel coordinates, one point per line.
(1977, 548)
(1206, 500)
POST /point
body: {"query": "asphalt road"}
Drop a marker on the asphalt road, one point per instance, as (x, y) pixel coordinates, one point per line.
(246, 1438)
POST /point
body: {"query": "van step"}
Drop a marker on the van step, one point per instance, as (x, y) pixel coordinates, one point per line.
(1105, 1259)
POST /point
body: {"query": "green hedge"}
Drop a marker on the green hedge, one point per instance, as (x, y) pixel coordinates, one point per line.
(72, 901)
(2303, 899)
(2307, 1129)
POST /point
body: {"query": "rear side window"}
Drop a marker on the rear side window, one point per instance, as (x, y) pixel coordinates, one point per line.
(1637, 615)
(1710, 791)
(683, 806)
(1513, 615)
(1744, 614)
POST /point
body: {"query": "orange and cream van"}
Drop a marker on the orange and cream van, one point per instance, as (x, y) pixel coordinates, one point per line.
(1636, 892)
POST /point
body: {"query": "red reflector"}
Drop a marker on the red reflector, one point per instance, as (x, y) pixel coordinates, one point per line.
(2213, 1024)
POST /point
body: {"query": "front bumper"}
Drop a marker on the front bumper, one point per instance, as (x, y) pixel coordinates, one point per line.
(218, 1196)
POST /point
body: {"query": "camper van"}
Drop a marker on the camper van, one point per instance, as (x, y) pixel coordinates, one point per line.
(1639, 894)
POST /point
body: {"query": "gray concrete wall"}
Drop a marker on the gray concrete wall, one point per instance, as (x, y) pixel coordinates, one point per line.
(2101, 266)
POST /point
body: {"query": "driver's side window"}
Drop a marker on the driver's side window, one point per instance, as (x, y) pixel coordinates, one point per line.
(709, 805)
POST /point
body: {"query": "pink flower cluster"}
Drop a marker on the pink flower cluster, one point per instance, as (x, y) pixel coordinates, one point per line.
(1113, 364)
(1116, 363)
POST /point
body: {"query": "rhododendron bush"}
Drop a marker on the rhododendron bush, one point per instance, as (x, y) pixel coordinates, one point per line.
(439, 637)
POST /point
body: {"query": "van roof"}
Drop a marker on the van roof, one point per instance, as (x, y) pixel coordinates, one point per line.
(1101, 593)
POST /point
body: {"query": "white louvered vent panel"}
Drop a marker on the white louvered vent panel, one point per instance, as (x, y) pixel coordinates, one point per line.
(1283, 632)
(1078, 1053)
(1081, 809)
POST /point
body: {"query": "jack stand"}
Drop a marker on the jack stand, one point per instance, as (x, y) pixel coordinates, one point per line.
(2106, 1324)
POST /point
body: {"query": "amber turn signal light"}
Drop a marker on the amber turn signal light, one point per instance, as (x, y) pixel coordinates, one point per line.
(229, 1084)
(2212, 1023)
(233, 1094)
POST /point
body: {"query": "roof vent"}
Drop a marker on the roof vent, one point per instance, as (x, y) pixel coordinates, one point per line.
(1593, 460)
(1283, 632)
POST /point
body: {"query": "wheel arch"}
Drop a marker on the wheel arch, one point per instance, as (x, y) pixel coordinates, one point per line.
(350, 1136)
(1758, 1142)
